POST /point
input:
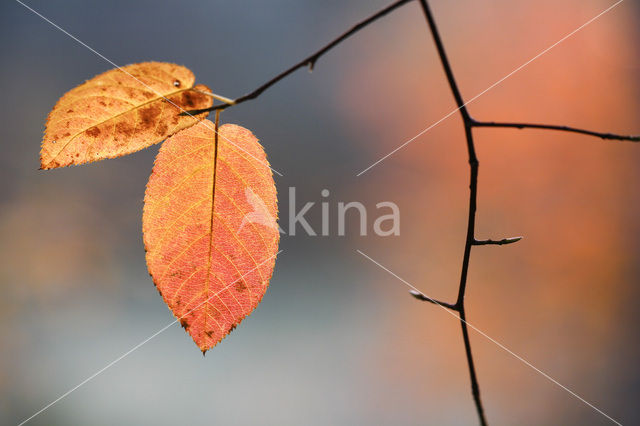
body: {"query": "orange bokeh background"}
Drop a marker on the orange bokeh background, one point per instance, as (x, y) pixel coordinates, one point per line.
(559, 297)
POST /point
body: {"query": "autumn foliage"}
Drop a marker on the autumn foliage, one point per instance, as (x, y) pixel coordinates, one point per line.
(210, 208)
(210, 260)
(119, 112)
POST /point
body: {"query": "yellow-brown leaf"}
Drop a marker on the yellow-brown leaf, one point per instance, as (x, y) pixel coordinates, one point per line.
(209, 226)
(119, 112)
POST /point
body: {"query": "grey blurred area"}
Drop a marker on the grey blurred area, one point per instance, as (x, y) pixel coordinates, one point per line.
(336, 340)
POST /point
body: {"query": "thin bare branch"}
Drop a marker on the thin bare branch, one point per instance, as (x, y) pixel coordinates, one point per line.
(311, 60)
(475, 387)
(606, 136)
(473, 195)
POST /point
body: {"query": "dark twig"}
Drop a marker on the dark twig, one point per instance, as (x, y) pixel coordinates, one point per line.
(609, 136)
(309, 61)
(473, 195)
(421, 296)
(497, 242)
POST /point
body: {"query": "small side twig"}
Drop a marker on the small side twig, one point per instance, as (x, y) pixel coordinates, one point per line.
(421, 296)
(497, 242)
(606, 136)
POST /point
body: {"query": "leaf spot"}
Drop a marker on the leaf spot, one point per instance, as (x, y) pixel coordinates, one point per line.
(149, 116)
(124, 128)
(93, 132)
(162, 128)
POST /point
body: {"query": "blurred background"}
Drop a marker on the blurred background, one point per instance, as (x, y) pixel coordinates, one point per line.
(336, 339)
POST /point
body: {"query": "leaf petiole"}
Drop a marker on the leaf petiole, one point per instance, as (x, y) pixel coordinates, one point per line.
(217, 97)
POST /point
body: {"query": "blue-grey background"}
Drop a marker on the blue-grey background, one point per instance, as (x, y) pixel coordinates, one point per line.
(336, 340)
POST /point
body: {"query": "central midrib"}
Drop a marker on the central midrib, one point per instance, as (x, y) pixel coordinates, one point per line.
(213, 199)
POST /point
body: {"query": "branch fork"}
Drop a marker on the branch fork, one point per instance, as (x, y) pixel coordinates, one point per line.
(469, 125)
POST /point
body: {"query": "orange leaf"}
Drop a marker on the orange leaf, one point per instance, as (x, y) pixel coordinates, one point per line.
(209, 226)
(119, 112)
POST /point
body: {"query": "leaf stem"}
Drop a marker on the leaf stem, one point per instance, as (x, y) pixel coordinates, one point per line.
(217, 97)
